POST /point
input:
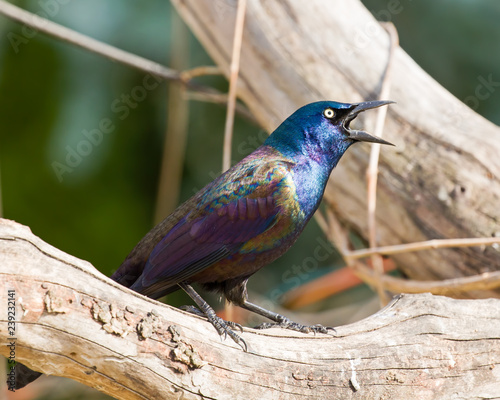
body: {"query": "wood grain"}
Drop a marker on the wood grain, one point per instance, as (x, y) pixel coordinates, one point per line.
(442, 180)
(72, 321)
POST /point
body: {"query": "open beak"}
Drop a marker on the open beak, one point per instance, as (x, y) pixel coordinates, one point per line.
(362, 136)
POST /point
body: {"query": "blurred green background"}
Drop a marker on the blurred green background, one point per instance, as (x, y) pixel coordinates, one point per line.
(52, 93)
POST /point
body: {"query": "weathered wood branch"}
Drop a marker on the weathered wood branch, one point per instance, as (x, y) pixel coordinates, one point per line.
(72, 321)
(442, 180)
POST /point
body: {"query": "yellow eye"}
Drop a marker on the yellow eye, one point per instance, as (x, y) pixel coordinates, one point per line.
(329, 113)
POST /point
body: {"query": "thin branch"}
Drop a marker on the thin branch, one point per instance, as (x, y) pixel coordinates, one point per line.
(213, 96)
(372, 171)
(70, 36)
(233, 80)
(447, 287)
(337, 235)
(325, 286)
(425, 245)
(202, 70)
(231, 102)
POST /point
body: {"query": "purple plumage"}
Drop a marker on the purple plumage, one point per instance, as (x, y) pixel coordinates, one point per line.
(248, 216)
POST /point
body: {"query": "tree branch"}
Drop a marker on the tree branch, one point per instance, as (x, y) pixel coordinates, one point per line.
(70, 36)
(419, 246)
(432, 185)
(72, 321)
(115, 54)
(233, 81)
(372, 170)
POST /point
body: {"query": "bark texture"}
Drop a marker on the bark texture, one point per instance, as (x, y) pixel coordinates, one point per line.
(72, 321)
(442, 180)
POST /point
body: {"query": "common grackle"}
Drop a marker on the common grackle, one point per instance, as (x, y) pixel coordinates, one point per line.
(248, 216)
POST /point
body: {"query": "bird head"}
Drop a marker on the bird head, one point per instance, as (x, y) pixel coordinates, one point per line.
(322, 130)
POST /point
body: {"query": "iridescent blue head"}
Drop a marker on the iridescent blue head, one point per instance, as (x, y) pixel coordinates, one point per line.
(320, 131)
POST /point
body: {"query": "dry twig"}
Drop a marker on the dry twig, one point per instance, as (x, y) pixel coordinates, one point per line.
(372, 171)
(231, 102)
(202, 70)
(233, 80)
(70, 36)
(337, 235)
(447, 287)
(425, 245)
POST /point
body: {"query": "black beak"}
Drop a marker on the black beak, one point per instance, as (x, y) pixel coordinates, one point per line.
(362, 136)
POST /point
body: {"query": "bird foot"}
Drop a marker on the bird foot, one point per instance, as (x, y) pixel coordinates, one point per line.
(285, 323)
(192, 310)
(222, 327)
(196, 311)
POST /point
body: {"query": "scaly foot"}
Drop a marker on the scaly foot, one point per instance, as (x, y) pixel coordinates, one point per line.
(223, 327)
(286, 323)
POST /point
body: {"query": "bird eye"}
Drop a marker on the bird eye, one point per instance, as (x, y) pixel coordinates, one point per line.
(329, 113)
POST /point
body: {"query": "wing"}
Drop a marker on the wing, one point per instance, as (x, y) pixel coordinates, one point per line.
(237, 208)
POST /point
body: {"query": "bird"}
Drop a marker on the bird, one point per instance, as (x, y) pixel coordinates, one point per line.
(248, 216)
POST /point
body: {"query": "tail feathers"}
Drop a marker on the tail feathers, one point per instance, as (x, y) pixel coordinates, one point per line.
(129, 274)
(126, 280)
(155, 291)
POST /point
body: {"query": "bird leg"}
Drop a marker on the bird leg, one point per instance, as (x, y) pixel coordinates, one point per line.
(221, 326)
(281, 321)
(236, 292)
(196, 311)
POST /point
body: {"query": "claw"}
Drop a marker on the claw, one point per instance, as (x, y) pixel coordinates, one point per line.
(294, 326)
(234, 325)
(265, 325)
(193, 310)
(223, 328)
